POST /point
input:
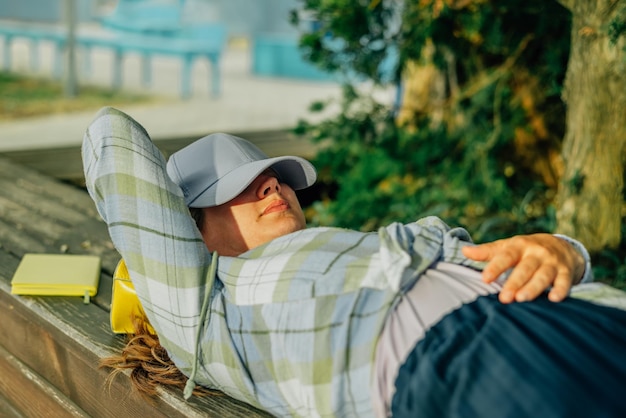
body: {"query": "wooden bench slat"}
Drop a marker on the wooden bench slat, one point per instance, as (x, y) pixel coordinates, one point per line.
(7, 409)
(23, 194)
(30, 221)
(14, 240)
(32, 394)
(47, 189)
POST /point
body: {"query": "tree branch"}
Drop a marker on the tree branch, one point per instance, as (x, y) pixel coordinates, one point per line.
(493, 76)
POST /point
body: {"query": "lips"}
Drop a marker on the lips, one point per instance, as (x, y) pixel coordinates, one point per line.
(276, 206)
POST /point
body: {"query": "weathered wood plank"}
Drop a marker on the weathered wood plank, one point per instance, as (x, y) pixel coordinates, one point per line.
(43, 186)
(8, 264)
(90, 237)
(7, 410)
(28, 220)
(61, 162)
(23, 193)
(14, 240)
(30, 393)
(36, 212)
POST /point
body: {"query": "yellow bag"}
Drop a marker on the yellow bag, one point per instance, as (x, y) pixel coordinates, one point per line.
(125, 304)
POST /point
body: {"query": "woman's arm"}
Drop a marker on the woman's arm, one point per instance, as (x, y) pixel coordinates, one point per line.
(149, 225)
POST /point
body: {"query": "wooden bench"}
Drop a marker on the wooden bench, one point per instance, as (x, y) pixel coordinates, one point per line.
(50, 346)
(143, 27)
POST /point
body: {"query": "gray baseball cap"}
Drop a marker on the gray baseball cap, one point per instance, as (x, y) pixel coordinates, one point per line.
(217, 168)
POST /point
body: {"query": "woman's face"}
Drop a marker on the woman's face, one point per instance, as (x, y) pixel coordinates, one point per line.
(265, 210)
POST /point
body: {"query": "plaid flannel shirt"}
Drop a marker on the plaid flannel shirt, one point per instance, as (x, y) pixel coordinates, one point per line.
(291, 326)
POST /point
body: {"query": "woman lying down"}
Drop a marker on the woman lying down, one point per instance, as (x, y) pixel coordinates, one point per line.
(410, 320)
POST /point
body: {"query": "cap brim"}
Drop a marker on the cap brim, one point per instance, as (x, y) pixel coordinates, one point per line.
(297, 172)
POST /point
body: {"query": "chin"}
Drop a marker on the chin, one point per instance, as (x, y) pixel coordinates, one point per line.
(287, 226)
(276, 230)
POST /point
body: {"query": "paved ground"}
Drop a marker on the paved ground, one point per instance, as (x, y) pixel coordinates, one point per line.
(247, 103)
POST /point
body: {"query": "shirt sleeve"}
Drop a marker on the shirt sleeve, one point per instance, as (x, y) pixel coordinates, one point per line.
(149, 225)
(588, 276)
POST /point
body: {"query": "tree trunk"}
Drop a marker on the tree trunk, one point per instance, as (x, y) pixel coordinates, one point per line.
(589, 199)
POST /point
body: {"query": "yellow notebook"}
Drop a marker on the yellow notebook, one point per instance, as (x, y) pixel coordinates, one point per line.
(57, 275)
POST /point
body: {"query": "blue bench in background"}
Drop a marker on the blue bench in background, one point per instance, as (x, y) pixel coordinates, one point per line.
(34, 34)
(144, 27)
(157, 27)
(189, 43)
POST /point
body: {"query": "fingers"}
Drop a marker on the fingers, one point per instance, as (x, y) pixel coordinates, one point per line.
(561, 286)
(538, 262)
(498, 258)
(527, 281)
(522, 288)
(478, 252)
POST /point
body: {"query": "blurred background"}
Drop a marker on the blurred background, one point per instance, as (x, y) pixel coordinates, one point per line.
(245, 71)
(501, 118)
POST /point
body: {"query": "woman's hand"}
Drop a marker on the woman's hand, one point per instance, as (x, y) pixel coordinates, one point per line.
(538, 262)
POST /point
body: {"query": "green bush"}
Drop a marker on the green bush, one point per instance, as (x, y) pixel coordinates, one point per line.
(380, 172)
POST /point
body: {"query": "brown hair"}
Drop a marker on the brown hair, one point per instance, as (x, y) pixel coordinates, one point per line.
(148, 362)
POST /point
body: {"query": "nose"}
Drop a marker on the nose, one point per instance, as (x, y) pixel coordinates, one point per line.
(268, 186)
